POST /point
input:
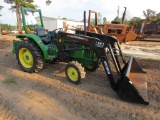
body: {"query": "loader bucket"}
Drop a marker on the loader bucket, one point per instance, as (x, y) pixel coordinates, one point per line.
(132, 86)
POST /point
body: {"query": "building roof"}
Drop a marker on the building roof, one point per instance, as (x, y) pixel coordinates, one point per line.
(44, 17)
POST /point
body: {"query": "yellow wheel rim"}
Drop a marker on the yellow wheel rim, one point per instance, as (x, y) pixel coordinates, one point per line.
(72, 73)
(26, 58)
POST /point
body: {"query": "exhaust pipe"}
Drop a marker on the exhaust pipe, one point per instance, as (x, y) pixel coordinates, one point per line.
(84, 22)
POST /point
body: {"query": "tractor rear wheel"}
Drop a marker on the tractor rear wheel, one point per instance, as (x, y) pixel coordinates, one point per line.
(29, 56)
(74, 72)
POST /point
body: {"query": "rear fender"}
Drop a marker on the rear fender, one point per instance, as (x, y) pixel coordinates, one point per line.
(38, 41)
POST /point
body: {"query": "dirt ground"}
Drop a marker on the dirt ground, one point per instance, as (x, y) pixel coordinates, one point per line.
(49, 96)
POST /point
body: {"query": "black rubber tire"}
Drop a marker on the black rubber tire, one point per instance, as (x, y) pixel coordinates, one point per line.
(80, 70)
(94, 68)
(36, 53)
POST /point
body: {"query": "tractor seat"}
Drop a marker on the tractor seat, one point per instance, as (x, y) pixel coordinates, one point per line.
(41, 33)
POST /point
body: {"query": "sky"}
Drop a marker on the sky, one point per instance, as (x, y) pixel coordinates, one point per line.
(73, 9)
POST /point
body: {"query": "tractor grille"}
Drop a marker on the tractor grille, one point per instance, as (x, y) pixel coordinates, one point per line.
(88, 53)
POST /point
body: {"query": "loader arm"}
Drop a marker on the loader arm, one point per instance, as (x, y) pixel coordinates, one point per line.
(111, 41)
(129, 86)
(92, 43)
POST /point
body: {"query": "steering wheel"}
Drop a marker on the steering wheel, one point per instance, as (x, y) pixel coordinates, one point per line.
(60, 29)
(54, 33)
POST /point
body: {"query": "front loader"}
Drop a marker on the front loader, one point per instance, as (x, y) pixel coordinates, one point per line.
(83, 51)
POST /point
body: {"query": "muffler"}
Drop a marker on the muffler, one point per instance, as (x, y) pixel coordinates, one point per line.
(132, 86)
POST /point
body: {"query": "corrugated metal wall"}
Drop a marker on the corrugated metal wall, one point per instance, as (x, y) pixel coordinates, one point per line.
(52, 23)
(49, 23)
(59, 23)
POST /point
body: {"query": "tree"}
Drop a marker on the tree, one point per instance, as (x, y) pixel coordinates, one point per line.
(117, 19)
(0, 15)
(8, 27)
(104, 20)
(64, 18)
(99, 18)
(16, 7)
(149, 14)
(48, 2)
(0, 9)
(92, 21)
(137, 21)
(157, 18)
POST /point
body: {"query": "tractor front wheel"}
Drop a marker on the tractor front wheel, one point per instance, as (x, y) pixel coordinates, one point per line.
(29, 56)
(92, 67)
(74, 72)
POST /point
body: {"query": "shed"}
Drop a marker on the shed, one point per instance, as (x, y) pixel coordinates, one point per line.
(54, 23)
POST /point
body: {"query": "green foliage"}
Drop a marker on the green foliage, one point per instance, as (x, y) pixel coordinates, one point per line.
(9, 80)
(149, 14)
(157, 17)
(99, 18)
(16, 7)
(118, 19)
(0, 9)
(92, 21)
(8, 27)
(136, 21)
(104, 20)
(25, 3)
(48, 2)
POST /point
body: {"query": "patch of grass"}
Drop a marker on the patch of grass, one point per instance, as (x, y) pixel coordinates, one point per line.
(9, 81)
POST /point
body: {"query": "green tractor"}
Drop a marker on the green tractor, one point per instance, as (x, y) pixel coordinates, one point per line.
(36, 47)
(81, 51)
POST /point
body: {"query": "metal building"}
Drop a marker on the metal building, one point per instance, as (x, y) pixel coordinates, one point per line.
(54, 23)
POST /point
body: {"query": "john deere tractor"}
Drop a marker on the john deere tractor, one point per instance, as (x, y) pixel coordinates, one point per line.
(83, 51)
